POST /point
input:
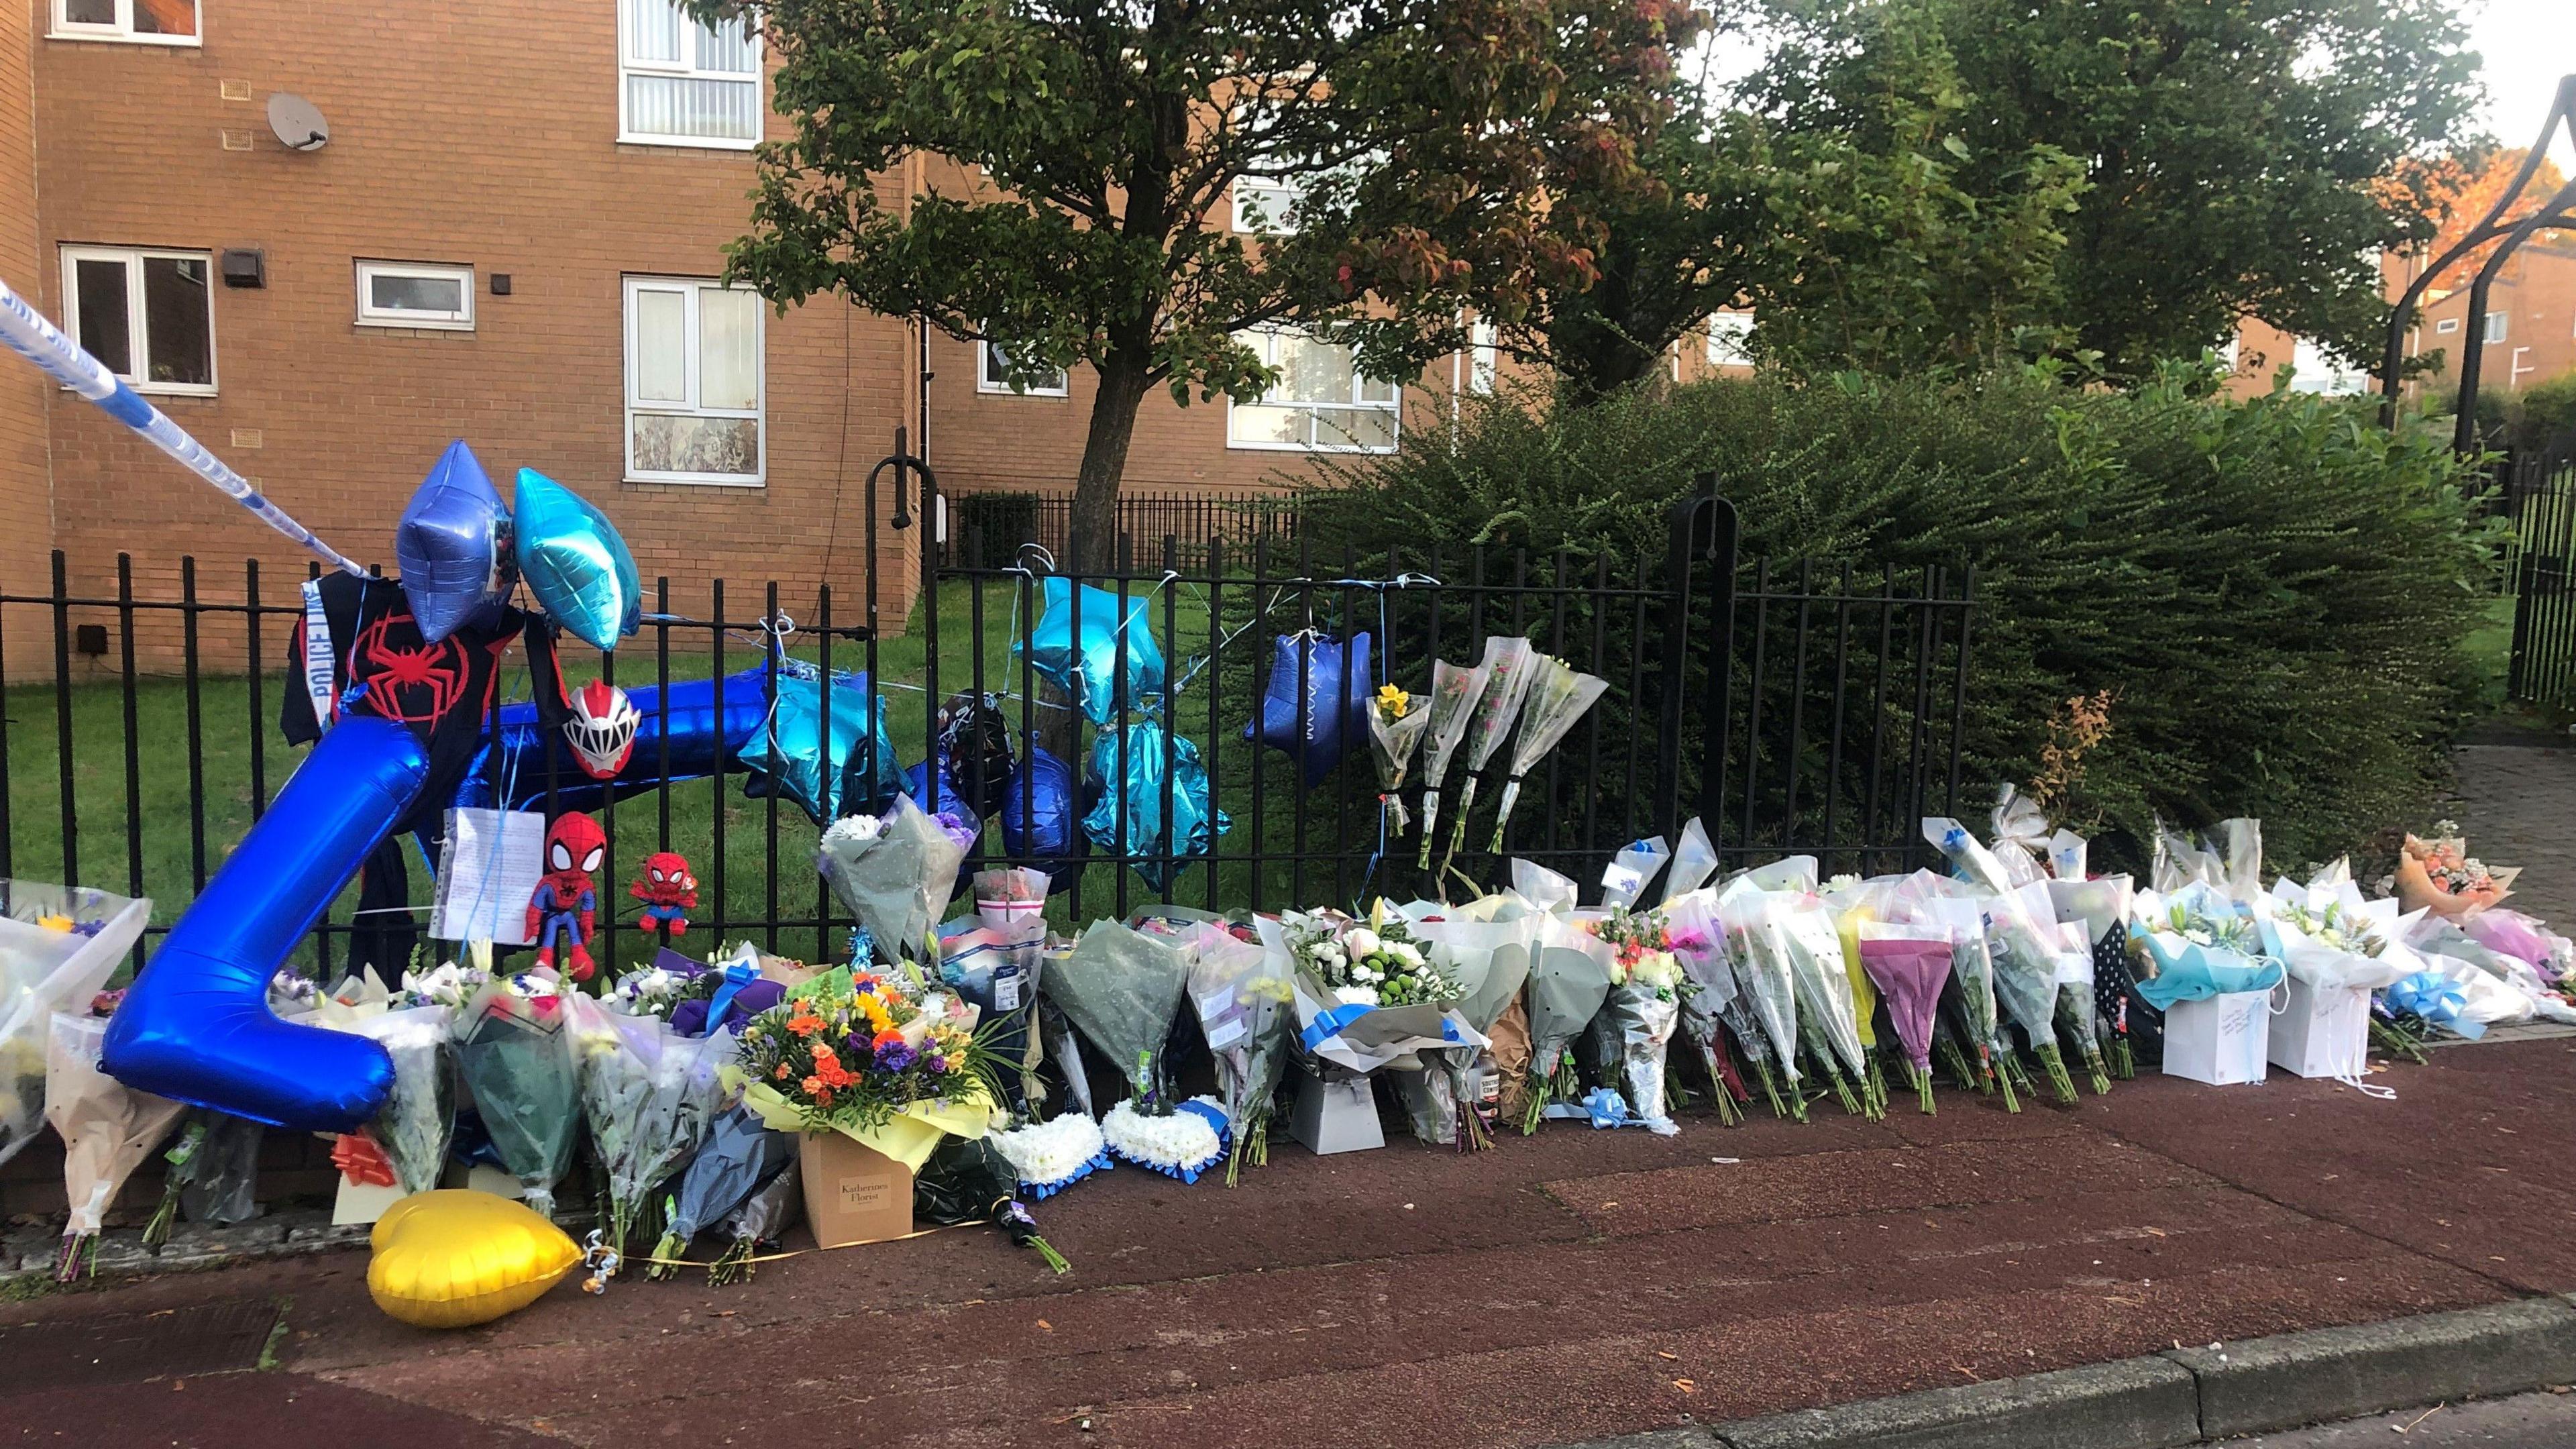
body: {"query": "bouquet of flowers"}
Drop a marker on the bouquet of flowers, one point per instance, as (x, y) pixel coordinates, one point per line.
(1122, 990)
(741, 1152)
(650, 1095)
(2440, 876)
(1484, 947)
(1803, 931)
(1454, 693)
(58, 946)
(1709, 989)
(450, 985)
(1558, 697)
(2201, 946)
(761, 1221)
(1910, 964)
(1510, 663)
(651, 991)
(514, 1053)
(866, 1055)
(894, 873)
(419, 1115)
(2325, 934)
(212, 1175)
(1376, 963)
(1766, 1006)
(1247, 1016)
(107, 1128)
(1397, 723)
(1952, 907)
(1569, 979)
(2022, 940)
(1641, 1010)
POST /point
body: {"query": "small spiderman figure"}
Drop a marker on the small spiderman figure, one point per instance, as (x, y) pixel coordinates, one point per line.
(566, 906)
(667, 890)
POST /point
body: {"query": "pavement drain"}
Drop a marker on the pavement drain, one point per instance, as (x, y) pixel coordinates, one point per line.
(225, 1336)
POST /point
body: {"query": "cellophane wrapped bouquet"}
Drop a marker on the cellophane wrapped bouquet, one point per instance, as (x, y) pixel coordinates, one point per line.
(650, 1095)
(1710, 994)
(1397, 723)
(419, 1115)
(740, 1154)
(1569, 979)
(2200, 944)
(514, 1053)
(2440, 876)
(1484, 948)
(2024, 946)
(58, 946)
(1642, 1008)
(1248, 1016)
(107, 1128)
(1765, 1010)
(855, 1051)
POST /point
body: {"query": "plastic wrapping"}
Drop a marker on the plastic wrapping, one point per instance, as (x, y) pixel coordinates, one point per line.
(1122, 989)
(1694, 861)
(1558, 697)
(1247, 1015)
(1911, 965)
(650, 1096)
(1455, 691)
(1633, 869)
(2021, 836)
(1334, 709)
(107, 1128)
(1392, 741)
(740, 1153)
(44, 970)
(419, 1115)
(514, 1053)
(1640, 1018)
(2201, 947)
(1510, 663)
(894, 875)
(1569, 979)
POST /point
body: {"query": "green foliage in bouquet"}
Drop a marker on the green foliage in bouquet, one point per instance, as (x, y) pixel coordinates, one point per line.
(2281, 591)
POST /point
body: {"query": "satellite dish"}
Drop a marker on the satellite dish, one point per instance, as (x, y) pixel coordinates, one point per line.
(297, 122)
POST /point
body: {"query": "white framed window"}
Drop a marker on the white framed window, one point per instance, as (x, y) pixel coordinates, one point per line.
(139, 22)
(693, 382)
(1727, 332)
(1265, 204)
(2446, 326)
(149, 315)
(1321, 403)
(1484, 359)
(2496, 323)
(415, 294)
(682, 83)
(991, 363)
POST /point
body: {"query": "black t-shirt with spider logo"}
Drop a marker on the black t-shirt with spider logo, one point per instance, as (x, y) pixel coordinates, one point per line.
(381, 666)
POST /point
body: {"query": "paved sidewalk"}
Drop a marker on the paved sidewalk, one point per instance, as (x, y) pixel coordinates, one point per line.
(1563, 1287)
(2517, 802)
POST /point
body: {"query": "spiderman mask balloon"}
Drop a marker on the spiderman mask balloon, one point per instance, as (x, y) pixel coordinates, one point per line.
(667, 890)
(565, 907)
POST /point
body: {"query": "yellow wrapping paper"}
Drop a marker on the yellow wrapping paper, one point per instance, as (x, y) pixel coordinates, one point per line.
(908, 1137)
(1864, 995)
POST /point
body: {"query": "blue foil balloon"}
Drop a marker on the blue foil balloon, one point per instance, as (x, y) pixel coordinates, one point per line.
(700, 737)
(1334, 711)
(1195, 822)
(1086, 669)
(575, 562)
(792, 757)
(196, 1027)
(453, 546)
(1041, 819)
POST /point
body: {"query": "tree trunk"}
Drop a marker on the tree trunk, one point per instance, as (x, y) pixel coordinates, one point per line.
(1104, 461)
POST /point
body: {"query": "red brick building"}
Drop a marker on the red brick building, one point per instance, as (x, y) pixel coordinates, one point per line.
(512, 235)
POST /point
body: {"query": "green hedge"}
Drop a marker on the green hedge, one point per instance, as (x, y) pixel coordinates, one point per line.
(2279, 592)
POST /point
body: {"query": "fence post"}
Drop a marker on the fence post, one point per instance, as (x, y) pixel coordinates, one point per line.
(1703, 527)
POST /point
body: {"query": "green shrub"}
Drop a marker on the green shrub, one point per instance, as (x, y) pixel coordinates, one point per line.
(2544, 411)
(2277, 591)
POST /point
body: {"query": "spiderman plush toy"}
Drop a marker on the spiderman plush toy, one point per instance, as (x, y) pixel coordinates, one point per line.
(566, 905)
(667, 890)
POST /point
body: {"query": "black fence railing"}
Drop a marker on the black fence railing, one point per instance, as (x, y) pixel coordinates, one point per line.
(2538, 498)
(1796, 708)
(987, 529)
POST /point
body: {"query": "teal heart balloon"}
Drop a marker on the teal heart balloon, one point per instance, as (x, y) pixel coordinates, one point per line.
(575, 563)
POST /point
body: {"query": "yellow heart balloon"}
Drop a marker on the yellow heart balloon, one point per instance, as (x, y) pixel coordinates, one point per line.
(452, 1258)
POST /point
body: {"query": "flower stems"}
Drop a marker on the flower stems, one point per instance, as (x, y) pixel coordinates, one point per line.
(666, 1258)
(2395, 1042)
(733, 1265)
(1923, 1088)
(1955, 1062)
(2054, 1061)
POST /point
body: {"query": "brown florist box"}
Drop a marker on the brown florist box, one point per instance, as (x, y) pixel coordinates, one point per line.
(853, 1194)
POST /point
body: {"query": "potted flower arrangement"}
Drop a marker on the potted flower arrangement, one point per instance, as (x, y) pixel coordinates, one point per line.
(872, 1072)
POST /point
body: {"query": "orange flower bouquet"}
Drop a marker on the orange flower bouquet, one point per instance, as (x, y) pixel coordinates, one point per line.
(2439, 875)
(868, 1057)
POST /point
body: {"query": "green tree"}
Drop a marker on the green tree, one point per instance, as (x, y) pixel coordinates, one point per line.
(1422, 138)
(2242, 157)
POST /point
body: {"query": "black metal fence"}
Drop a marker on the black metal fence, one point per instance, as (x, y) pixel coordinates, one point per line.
(987, 529)
(2538, 496)
(1792, 708)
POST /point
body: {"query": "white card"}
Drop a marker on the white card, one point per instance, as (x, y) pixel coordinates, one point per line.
(486, 875)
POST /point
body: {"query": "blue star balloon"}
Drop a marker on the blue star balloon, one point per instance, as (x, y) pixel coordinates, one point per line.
(453, 546)
(1040, 823)
(792, 759)
(1336, 705)
(1139, 788)
(575, 563)
(1086, 668)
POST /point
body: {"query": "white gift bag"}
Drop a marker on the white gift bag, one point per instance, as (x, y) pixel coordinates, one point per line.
(2221, 1040)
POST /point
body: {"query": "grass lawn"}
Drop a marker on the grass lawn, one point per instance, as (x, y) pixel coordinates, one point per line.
(184, 820)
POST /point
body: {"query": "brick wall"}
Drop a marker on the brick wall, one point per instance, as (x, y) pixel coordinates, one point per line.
(25, 488)
(458, 136)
